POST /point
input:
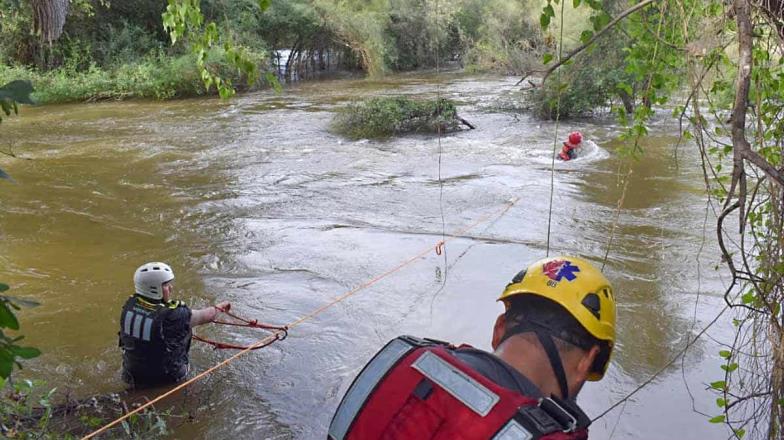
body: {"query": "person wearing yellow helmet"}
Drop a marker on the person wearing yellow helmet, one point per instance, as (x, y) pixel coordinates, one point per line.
(557, 331)
(562, 308)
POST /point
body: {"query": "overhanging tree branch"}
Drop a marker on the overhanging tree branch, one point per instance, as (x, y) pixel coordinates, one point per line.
(584, 46)
(766, 167)
(741, 147)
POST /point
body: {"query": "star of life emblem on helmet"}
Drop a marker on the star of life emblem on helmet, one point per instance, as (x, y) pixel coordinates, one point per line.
(557, 270)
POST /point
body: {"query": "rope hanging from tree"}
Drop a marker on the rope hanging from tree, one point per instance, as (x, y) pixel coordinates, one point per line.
(49, 18)
(280, 332)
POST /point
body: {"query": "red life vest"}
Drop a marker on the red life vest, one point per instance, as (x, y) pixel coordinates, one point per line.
(567, 152)
(417, 389)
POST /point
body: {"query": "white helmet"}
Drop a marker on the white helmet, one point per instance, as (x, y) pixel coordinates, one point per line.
(149, 279)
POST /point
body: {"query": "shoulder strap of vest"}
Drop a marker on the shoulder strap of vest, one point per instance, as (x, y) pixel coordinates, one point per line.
(173, 304)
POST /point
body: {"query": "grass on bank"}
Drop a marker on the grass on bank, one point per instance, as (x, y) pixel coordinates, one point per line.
(152, 77)
(387, 116)
(30, 410)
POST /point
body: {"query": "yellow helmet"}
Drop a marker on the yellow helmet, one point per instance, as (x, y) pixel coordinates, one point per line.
(581, 289)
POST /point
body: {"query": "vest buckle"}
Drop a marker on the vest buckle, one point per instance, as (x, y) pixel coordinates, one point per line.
(562, 416)
(551, 415)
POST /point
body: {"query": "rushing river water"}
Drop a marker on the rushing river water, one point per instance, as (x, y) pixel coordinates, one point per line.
(254, 201)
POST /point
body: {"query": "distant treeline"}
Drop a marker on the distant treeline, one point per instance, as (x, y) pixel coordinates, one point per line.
(118, 49)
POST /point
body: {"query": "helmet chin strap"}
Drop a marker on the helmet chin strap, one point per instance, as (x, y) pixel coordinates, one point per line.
(549, 347)
(555, 361)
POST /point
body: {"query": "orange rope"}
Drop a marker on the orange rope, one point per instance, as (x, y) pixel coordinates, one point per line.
(271, 338)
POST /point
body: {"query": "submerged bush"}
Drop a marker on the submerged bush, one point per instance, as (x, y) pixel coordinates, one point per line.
(387, 116)
(578, 95)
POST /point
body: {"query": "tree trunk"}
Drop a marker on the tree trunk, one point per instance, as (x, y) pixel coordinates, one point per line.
(292, 54)
(49, 18)
(627, 100)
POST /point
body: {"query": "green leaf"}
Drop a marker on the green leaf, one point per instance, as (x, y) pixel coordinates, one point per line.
(730, 368)
(719, 385)
(5, 104)
(748, 297)
(626, 88)
(586, 36)
(3, 287)
(714, 9)
(549, 10)
(264, 4)
(6, 364)
(546, 58)
(544, 21)
(740, 432)
(26, 352)
(7, 317)
(595, 4)
(717, 419)
(721, 403)
(600, 21)
(725, 354)
(576, 4)
(18, 90)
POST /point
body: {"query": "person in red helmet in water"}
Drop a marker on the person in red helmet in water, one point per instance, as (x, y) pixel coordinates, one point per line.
(569, 150)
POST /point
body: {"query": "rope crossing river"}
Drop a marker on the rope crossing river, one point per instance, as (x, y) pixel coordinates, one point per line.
(280, 333)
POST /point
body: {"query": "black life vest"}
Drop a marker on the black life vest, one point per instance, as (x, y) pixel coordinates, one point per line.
(155, 339)
(418, 389)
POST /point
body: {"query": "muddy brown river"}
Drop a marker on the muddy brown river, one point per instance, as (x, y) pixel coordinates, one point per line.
(254, 201)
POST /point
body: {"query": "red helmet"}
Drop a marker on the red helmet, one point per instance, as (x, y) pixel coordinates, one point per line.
(575, 137)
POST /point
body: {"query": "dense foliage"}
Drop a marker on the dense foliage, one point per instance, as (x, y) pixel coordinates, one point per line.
(113, 50)
(596, 80)
(728, 57)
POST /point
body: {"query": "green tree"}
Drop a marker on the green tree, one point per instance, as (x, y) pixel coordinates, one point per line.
(184, 21)
(727, 55)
